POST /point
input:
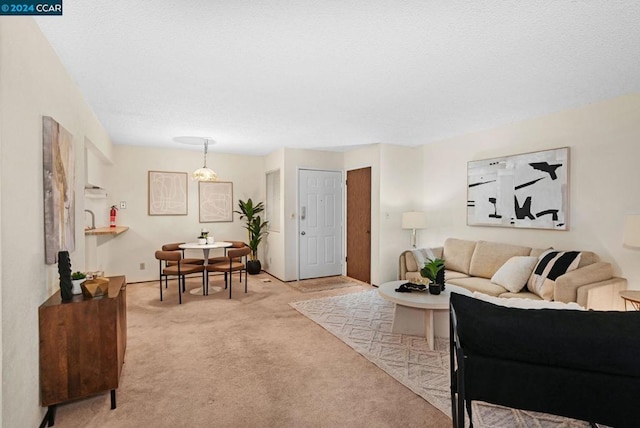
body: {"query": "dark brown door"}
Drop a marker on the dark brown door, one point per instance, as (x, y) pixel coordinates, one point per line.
(359, 224)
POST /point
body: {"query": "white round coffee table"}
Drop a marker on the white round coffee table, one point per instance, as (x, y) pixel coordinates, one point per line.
(416, 311)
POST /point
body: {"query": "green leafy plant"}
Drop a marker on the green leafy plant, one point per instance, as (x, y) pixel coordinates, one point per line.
(78, 275)
(256, 227)
(431, 269)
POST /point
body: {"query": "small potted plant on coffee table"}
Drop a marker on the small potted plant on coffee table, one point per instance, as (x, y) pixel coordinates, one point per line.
(434, 271)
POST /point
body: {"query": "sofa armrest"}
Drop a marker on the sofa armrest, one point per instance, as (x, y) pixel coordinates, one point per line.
(567, 285)
(603, 295)
(402, 265)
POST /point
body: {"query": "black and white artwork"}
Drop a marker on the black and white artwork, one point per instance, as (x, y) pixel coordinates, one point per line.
(527, 190)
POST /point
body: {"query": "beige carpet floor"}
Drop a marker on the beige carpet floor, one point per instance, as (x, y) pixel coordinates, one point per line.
(252, 361)
(364, 321)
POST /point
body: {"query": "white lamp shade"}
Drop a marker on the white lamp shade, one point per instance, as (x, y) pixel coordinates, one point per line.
(414, 220)
(632, 230)
(204, 174)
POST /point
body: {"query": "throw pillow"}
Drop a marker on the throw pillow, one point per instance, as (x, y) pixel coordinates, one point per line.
(514, 274)
(551, 264)
(422, 255)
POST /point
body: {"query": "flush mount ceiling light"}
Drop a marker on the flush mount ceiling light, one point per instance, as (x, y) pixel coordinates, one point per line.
(204, 173)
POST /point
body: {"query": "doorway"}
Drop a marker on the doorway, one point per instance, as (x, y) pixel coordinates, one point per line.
(320, 223)
(359, 224)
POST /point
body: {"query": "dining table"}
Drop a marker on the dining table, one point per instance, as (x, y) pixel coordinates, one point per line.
(205, 250)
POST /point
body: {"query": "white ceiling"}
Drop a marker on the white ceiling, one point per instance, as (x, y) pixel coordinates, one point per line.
(261, 74)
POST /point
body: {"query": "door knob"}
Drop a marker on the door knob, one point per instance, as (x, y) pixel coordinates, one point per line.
(303, 233)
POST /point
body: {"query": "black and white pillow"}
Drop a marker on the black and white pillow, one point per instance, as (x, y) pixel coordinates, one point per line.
(551, 264)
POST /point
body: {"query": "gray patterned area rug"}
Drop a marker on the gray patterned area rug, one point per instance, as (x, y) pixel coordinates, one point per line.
(363, 321)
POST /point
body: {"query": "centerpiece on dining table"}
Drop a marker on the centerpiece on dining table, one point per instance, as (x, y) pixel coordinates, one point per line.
(204, 237)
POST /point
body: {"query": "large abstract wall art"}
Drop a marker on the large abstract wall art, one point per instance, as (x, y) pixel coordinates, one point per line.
(167, 193)
(215, 201)
(59, 196)
(527, 190)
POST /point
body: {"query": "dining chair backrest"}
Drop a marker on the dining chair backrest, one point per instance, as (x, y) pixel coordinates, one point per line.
(233, 253)
(172, 247)
(174, 256)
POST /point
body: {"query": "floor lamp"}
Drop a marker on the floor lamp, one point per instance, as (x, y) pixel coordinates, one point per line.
(414, 220)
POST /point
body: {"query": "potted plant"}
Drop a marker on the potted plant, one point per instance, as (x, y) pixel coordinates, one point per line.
(77, 278)
(434, 271)
(256, 229)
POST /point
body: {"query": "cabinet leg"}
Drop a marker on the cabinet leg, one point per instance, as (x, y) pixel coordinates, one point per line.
(51, 415)
(113, 399)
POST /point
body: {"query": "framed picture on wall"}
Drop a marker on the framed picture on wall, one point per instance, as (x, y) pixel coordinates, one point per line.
(215, 200)
(528, 190)
(59, 196)
(167, 193)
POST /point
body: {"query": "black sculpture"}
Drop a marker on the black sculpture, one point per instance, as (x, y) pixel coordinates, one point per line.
(64, 270)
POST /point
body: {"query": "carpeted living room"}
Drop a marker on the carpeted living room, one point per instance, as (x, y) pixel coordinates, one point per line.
(501, 137)
(251, 361)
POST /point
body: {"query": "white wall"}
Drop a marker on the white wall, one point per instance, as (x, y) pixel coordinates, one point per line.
(274, 244)
(604, 141)
(128, 181)
(395, 188)
(294, 160)
(33, 83)
(363, 157)
(400, 191)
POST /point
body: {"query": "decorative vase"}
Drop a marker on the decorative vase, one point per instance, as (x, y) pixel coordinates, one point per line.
(210, 240)
(434, 288)
(64, 271)
(97, 287)
(77, 289)
(254, 267)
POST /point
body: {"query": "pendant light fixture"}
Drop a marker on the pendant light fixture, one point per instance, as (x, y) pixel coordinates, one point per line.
(204, 173)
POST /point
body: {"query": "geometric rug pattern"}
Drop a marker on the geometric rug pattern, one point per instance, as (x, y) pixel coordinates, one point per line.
(363, 321)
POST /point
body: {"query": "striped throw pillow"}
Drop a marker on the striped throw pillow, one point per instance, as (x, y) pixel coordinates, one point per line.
(551, 264)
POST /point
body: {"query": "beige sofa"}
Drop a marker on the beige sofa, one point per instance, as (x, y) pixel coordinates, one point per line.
(471, 264)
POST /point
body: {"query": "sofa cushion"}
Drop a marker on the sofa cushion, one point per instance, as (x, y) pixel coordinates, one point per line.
(452, 274)
(521, 295)
(457, 254)
(488, 257)
(482, 285)
(514, 274)
(551, 265)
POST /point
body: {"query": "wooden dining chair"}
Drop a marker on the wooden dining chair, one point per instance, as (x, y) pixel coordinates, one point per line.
(237, 262)
(179, 269)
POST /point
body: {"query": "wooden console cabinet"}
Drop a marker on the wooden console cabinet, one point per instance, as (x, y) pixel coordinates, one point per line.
(82, 345)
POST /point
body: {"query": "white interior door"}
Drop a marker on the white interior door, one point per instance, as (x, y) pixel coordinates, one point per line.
(320, 223)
